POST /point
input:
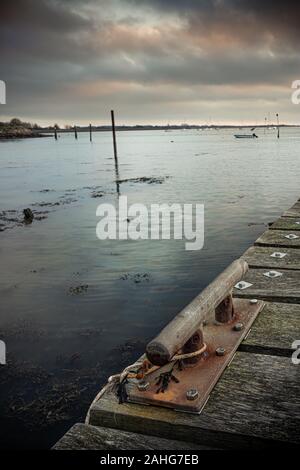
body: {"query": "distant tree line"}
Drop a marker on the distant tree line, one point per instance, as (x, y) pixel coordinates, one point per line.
(17, 123)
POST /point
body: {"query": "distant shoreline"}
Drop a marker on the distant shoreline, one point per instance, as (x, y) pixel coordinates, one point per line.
(21, 132)
(164, 128)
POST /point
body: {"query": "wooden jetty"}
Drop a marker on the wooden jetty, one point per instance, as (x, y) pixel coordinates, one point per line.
(254, 399)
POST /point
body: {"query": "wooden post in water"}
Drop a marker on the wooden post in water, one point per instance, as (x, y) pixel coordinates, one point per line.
(91, 138)
(75, 132)
(114, 135)
(278, 135)
(55, 133)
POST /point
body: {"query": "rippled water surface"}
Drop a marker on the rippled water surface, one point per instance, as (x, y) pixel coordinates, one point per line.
(64, 341)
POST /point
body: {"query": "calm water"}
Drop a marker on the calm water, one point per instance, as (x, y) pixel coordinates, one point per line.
(61, 344)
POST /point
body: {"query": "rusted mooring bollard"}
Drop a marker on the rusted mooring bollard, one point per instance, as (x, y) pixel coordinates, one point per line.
(184, 332)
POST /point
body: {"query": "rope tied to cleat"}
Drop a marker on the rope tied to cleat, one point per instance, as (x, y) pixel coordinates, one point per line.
(140, 369)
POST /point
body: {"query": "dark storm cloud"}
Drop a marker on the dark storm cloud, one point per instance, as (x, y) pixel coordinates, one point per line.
(55, 50)
(46, 15)
(245, 19)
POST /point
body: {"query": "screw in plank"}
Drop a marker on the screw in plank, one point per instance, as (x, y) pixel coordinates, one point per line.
(278, 254)
(253, 301)
(272, 274)
(143, 386)
(238, 327)
(220, 351)
(243, 285)
(192, 394)
(291, 236)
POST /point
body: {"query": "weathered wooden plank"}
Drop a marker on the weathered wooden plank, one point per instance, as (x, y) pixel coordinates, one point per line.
(86, 437)
(286, 223)
(277, 238)
(254, 405)
(260, 257)
(285, 288)
(294, 211)
(274, 330)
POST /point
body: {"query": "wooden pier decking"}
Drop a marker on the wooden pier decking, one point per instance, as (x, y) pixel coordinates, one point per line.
(256, 402)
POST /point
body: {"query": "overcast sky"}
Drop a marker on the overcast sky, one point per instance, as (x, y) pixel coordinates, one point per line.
(156, 61)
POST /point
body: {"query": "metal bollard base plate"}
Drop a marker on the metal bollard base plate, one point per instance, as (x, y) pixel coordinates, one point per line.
(203, 376)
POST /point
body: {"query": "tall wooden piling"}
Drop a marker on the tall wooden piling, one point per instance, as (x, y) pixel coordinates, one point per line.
(114, 135)
(278, 133)
(55, 133)
(91, 138)
(75, 132)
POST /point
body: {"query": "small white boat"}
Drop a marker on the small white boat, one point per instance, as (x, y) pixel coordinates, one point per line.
(246, 136)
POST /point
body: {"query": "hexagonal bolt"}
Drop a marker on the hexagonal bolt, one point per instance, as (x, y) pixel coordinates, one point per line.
(143, 386)
(238, 327)
(192, 394)
(220, 351)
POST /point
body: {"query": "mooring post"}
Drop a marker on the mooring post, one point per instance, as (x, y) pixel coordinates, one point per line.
(278, 135)
(75, 132)
(55, 133)
(114, 135)
(91, 133)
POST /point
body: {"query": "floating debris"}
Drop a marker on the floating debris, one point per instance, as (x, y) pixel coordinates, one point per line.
(132, 344)
(47, 191)
(136, 278)
(96, 194)
(78, 290)
(144, 179)
(22, 329)
(12, 218)
(251, 224)
(46, 204)
(28, 216)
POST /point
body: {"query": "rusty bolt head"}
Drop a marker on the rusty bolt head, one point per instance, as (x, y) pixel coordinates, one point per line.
(238, 327)
(220, 351)
(143, 386)
(192, 394)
